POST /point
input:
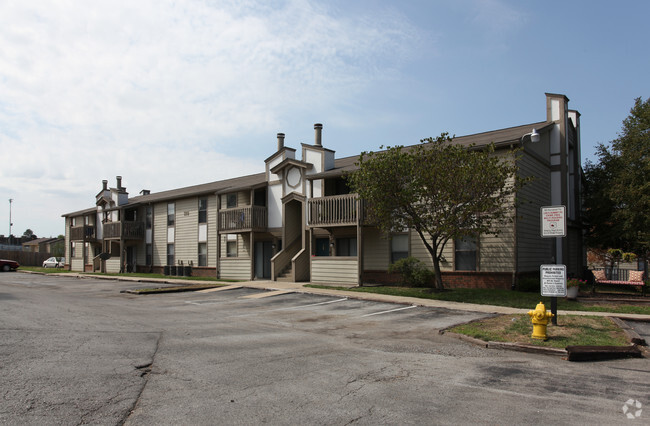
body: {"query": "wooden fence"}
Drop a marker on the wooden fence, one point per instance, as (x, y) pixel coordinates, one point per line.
(25, 258)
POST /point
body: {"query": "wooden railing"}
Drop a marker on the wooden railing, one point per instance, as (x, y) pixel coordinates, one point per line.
(84, 232)
(253, 218)
(336, 210)
(125, 230)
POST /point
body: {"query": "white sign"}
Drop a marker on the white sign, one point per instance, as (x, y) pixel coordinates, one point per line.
(553, 280)
(553, 221)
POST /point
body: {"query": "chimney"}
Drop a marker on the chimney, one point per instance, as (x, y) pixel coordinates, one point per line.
(105, 185)
(319, 134)
(119, 182)
(280, 141)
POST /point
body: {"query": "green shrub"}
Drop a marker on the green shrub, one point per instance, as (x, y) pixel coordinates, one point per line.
(414, 272)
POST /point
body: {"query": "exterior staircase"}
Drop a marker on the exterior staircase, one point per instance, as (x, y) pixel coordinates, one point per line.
(286, 274)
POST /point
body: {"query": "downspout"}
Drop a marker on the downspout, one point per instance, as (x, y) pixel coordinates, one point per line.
(513, 284)
(218, 263)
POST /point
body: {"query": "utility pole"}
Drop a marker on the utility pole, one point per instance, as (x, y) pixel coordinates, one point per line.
(10, 224)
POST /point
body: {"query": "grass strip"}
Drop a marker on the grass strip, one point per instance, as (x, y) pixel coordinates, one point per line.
(571, 330)
(175, 289)
(509, 298)
(129, 274)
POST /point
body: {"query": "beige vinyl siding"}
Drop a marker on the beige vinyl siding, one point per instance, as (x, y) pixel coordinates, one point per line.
(532, 249)
(342, 270)
(77, 264)
(235, 268)
(160, 234)
(213, 234)
(376, 250)
(113, 265)
(496, 253)
(187, 231)
(419, 251)
(68, 223)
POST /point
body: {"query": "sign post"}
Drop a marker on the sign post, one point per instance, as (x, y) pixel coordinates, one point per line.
(553, 225)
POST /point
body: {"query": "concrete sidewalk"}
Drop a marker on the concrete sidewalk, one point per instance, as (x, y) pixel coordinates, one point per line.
(300, 288)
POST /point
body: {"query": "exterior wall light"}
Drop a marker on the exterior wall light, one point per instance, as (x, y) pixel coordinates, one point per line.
(534, 136)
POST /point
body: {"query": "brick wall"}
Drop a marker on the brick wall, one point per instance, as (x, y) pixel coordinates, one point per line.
(500, 280)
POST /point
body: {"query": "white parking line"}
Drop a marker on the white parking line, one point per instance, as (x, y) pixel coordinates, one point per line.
(205, 302)
(313, 304)
(386, 312)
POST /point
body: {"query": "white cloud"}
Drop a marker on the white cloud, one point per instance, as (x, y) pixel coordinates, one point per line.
(161, 91)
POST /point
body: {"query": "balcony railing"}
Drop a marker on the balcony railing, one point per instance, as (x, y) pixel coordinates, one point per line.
(253, 218)
(336, 210)
(81, 233)
(124, 230)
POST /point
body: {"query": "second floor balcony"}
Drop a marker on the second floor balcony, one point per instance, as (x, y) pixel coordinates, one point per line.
(335, 210)
(124, 230)
(243, 219)
(83, 233)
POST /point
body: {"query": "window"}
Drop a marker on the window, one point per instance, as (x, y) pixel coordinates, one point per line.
(203, 254)
(72, 249)
(231, 249)
(203, 210)
(231, 201)
(149, 260)
(171, 216)
(346, 246)
(399, 247)
(149, 217)
(170, 254)
(465, 254)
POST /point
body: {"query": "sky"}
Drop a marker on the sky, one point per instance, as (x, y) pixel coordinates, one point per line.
(170, 94)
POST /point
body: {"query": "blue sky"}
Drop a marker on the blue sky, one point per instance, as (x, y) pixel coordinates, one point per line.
(170, 94)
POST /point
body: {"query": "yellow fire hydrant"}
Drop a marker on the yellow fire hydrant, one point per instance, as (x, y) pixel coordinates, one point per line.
(540, 318)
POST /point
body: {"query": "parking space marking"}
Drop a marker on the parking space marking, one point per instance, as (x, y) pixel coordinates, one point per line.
(205, 302)
(227, 287)
(313, 304)
(267, 294)
(389, 311)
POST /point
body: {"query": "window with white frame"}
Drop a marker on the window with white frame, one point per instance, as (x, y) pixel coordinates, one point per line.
(231, 245)
(203, 210)
(170, 255)
(399, 247)
(231, 200)
(171, 215)
(465, 254)
(203, 254)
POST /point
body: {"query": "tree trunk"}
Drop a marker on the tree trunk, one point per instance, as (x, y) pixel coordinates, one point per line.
(438, 275)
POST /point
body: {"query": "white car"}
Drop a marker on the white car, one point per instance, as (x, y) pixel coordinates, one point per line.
(54, 262)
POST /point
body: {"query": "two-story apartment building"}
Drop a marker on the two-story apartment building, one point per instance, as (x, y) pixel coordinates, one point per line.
(297, 221)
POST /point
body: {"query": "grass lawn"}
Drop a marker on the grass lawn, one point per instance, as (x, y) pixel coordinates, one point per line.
(514, 299)
(571, 330)
(131, 274)
(43, 270)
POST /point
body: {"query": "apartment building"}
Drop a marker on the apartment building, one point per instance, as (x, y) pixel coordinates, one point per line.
(296, 220)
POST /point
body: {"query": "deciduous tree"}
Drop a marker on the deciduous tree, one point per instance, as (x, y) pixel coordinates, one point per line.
(618, 187)
(439, 189)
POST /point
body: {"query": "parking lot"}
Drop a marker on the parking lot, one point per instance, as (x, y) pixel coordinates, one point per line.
(79, 351)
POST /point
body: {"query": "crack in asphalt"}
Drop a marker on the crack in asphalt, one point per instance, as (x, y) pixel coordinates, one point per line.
(145, 369)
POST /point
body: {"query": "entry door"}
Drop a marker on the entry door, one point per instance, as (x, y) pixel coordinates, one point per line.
(322, 246)
(130, 259)
(263, 254)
